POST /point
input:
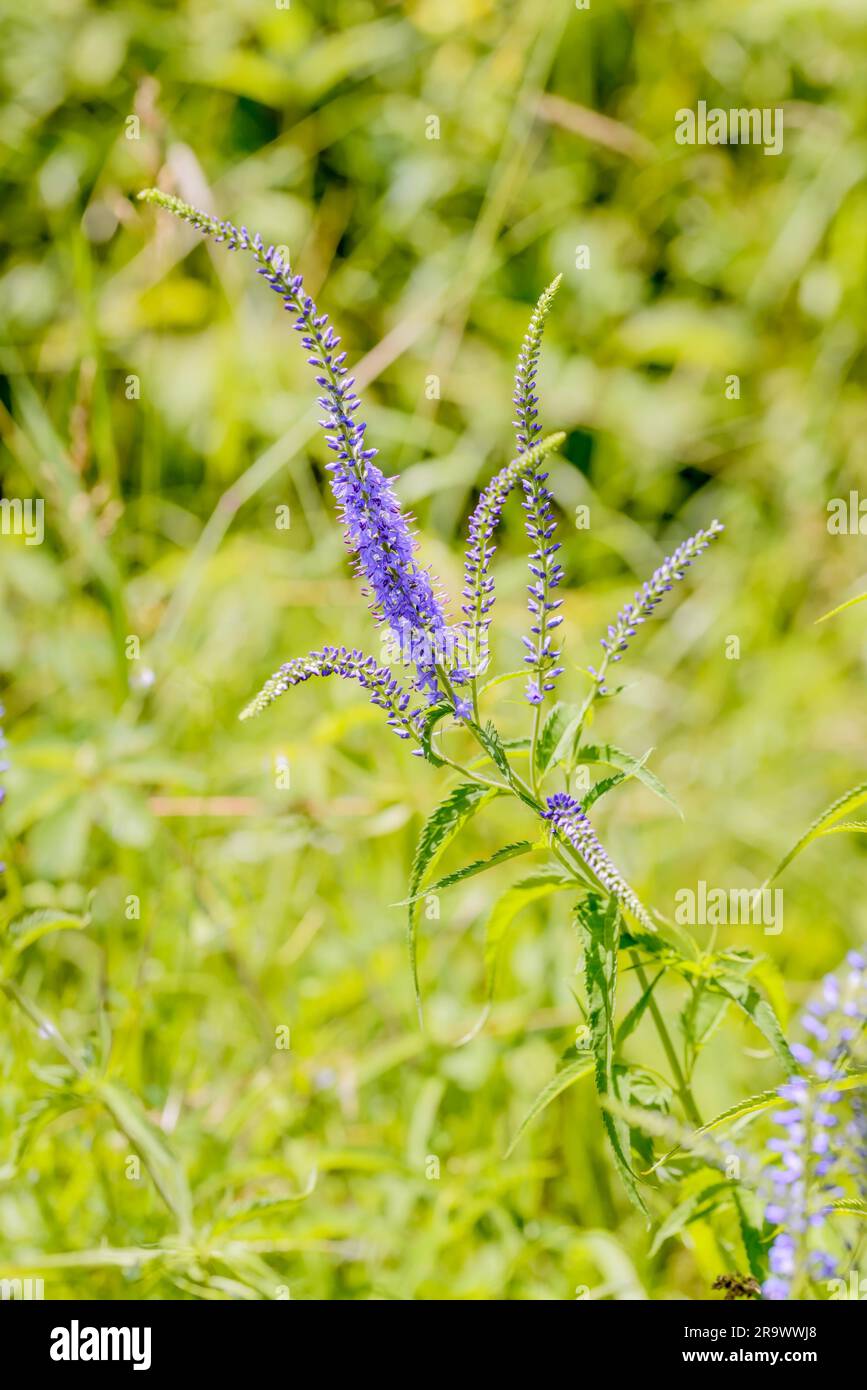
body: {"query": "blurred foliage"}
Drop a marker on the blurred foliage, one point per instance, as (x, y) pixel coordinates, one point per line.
(154, 397)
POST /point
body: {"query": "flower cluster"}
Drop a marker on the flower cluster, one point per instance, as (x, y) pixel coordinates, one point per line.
(446, 658)
(571, 821)
(823, 1140)
(649, 596)
(377, 532)
(385, 691)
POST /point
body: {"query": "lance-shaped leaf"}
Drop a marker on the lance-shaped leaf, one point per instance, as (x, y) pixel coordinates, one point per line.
(580, 1066)
(437, 832)
(470, 870)
(599, 925)
(856, 796)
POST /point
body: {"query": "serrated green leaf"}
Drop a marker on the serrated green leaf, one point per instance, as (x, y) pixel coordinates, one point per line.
(599, 789)
(33, 925)
(432, 718)
(846, 827)
(850, 1205)
(477, 867)
(702, 1014)
(581, 1065)
(747, 998)
(438, 830)
(537, 885)
(265, 1206)
(754, 1247)
(613, 756)
(599, 924)
(493, 746)
(767, 1100)
(506, 909)
(693, 1208)
(753, 1105)
(557, 721)
(856, 796)
(636, 1013)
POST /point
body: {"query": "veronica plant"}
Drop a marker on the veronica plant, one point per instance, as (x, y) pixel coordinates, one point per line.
(438, 684)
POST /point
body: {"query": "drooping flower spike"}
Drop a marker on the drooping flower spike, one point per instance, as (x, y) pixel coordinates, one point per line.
(385, 690)
(822, 1145)
(649, 596)
(570, 820)
(377, 532)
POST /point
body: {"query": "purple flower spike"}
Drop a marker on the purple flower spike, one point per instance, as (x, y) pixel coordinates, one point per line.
(571, 821)
(478, 581)
(650, 595)
(542, 657)
(385, 691)
(377, 533)
(539, 522)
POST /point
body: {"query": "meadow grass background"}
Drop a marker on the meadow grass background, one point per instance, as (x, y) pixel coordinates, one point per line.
(309, 124)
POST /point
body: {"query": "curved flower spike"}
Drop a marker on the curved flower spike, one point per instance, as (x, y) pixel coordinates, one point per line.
(570, 820)
(384, 690)
(377, 532)
(649, 596)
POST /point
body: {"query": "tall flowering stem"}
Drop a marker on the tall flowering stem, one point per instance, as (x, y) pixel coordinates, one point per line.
(377, 532)
(385, 690)
(822, 1146)
(478, 591)
(570, 820)
(539, 522)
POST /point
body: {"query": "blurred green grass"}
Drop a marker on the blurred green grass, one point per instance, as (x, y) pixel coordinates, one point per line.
(161, 499)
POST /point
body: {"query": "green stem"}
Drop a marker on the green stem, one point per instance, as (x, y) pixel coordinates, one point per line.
(534, 775)
(681, 1084)
(473, 776)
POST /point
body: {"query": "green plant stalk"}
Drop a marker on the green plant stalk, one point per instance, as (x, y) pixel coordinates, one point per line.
(534, 739)
(681, 1084)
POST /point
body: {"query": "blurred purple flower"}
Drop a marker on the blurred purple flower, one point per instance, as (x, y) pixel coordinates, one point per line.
(824, 1138)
